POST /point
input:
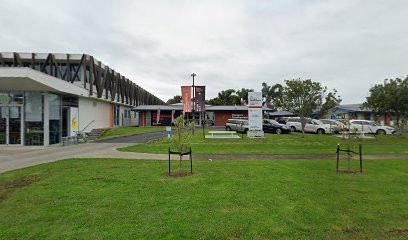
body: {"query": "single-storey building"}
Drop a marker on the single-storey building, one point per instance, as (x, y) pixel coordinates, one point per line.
(215, 115)
(47, 96)
(358, 111)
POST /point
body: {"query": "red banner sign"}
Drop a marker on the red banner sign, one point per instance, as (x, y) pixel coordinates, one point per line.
(172, 115)
(186, 97)
(158, 117)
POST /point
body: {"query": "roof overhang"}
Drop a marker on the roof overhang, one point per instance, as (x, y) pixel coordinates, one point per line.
(26, 79)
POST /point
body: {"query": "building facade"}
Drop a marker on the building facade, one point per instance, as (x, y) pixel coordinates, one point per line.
(213, 115)
(47, 96)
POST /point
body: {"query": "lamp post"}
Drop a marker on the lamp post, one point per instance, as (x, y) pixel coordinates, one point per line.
(193, 75)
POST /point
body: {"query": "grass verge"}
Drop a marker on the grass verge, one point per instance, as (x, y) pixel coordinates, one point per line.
(310, 144)
(128, 131)
(127, 199)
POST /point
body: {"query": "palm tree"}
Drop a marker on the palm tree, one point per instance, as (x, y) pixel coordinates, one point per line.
(228, 98)
(243, 94)
(271, 93)
(225, 97)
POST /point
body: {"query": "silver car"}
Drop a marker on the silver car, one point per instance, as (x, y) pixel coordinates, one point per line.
(238, 125)
(337, 126)
(311, 125)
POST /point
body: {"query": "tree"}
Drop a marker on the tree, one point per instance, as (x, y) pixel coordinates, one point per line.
(243, 94)
(302, 97)
(331, 100)
(225, 97)
(390, 97)
(175, 99)
(272, 94)
(181, 140)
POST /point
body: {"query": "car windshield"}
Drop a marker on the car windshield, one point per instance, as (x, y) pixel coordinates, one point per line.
(374, 124)
(273, 122)
(317, 122)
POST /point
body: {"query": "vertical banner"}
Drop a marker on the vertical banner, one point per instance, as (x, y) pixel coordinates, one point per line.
(200, 98)
(172, 115)
(255, 111)
(158, 117)
(186, 97)
(73, 121)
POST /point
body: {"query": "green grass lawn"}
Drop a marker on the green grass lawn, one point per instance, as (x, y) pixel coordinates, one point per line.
(279, 144)
(128, 199)
(127, 131)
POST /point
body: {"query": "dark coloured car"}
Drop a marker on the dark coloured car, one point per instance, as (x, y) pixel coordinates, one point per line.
(272, 126)
(282, 120)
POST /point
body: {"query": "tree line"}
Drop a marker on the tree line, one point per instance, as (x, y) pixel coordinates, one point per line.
(303, 97)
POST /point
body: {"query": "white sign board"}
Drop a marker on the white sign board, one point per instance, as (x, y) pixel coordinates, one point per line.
(255, 111)
(255, 99)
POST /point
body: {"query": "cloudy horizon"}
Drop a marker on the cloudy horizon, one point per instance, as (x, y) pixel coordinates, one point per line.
(349, 45)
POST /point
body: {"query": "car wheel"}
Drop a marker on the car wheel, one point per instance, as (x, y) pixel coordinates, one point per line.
(278, 131)
(228, 128)
(320, 131)
(380, 132)
(292, 129)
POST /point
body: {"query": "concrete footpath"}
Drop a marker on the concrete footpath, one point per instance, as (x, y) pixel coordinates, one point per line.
(16, 157)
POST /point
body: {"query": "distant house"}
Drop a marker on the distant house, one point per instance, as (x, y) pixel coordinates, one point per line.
(357, 111)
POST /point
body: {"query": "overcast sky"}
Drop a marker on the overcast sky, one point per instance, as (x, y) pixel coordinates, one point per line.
(349, 45)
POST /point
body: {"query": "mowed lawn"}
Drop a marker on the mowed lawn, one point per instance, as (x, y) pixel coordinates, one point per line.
(280, 144)
(128, 131)
(134, 199)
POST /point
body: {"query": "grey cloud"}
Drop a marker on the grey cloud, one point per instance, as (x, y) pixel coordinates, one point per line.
(349, 45)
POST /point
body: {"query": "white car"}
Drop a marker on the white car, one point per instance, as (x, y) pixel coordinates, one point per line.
(312, 125)
(365, 126)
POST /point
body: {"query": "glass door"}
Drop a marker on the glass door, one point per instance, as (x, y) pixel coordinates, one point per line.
(14, 125)
(10, 125)
(3, 125)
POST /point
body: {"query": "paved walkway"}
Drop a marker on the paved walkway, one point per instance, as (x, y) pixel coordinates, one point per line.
(12, 158)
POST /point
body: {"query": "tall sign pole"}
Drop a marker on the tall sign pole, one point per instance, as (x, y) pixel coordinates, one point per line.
(194, 101)
(255, 115)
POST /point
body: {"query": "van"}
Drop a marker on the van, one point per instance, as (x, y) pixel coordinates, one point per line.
(238, 125)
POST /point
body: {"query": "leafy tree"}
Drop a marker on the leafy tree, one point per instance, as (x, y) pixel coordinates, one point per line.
(243, 94)
(225, 97)
(175, 99)
(181, 140)
(302, 97)
(273, 94)
(390, 97)
(331, 100)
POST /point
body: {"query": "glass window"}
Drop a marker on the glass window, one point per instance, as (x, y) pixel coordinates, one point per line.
(116, 115)
(34, 123)
(68, 101)
(55, 118)
(4, 98)
(16, 98)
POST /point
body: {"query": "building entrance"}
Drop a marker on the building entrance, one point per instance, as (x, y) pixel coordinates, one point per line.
(10, 125)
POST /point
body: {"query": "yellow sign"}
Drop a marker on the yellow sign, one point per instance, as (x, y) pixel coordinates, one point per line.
(74, 123)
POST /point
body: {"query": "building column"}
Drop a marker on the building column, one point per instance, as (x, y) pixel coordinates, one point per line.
(46, 112)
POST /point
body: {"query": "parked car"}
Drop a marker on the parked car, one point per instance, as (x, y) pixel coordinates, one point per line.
(365, 126)
(311, 126)
(272, 126)
(282, 120)
(336, 125)
(237, 125)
